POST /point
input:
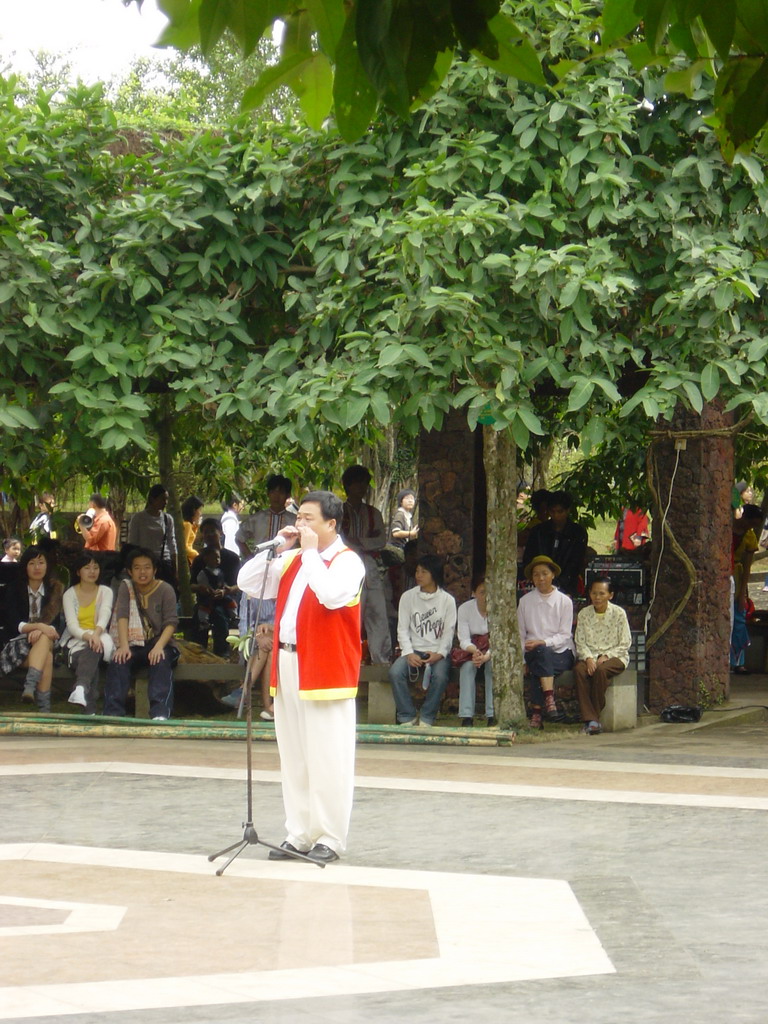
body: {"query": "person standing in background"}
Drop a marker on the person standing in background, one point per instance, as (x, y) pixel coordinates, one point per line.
(363, 529)
(101, 535)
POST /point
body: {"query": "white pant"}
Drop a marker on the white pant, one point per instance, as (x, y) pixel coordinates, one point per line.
(316, 740)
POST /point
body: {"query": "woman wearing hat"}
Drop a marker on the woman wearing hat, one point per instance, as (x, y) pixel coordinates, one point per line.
(545, 620)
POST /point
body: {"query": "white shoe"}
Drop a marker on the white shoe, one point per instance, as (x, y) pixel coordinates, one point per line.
(411, 721)
(267, 716)
(77, 696)
(159, 718)
(425, 725)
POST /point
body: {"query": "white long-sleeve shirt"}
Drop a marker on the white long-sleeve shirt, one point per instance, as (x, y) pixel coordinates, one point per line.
(426, 622)
(470, 623)
(547, 617)
(335, 581)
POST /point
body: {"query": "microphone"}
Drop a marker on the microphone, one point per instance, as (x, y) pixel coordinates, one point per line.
(268, 544)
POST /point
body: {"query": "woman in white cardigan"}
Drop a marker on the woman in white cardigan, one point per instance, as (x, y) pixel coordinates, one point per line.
(87, 609)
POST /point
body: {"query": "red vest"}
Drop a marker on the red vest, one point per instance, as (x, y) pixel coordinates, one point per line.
(328, 641)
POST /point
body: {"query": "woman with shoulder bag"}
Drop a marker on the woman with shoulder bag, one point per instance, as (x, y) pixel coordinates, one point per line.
(143, 625)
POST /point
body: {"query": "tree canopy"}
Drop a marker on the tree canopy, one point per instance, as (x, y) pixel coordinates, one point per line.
(353, 56)
(556, 264)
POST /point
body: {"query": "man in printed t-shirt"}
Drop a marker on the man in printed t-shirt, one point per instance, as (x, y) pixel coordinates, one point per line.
(426, 623)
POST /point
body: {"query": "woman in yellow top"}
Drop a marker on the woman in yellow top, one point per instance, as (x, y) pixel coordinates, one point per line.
(190, 513)
(87, 609)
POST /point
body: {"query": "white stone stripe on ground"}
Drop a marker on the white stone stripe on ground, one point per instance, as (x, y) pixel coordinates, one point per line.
(530, 929)
(473, 788)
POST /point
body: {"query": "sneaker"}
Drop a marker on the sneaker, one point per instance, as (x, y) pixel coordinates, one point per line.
(425, 725)
(592, 728)
(159, 718)
(77, 696)
(490, 722)
(467, 723)
(411, 721)
(232, 700)
(267, 716)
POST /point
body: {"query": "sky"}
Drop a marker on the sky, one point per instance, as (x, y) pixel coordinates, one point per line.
(100, 38)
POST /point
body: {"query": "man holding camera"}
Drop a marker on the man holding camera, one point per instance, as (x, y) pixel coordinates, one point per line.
(99, 530)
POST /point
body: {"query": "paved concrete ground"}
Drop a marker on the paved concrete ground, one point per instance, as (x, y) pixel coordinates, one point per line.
(611, 878)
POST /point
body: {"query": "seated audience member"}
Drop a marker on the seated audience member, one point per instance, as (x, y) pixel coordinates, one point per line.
(401, 529)
(363, 530)
(11, 549)
(260, 669)
(216, 608)
(190, 514)
(32, 609)
(220, 617)
(425, 624)
(145, 617)
(153, 530)
(545, 620)
(744, 545)
(472, 630)
(562, 540)
(631, 530)
(101, 535)
(86, 640)
(603, 639)
(230, 521)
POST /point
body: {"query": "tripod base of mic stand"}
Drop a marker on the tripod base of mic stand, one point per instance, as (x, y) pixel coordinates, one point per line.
(251, 838)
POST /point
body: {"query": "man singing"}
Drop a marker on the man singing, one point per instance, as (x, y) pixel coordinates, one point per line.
(314, 673)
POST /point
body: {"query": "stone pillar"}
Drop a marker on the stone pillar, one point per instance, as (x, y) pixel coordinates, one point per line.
(689, 662)
(452, 501)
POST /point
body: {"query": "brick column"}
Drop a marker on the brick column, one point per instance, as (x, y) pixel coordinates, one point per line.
(452, 501)
(691, 658)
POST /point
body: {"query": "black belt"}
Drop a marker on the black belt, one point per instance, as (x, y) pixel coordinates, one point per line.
(288, 647)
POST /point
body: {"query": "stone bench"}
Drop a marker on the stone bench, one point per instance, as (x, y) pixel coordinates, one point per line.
(620, 710)
(217, 677)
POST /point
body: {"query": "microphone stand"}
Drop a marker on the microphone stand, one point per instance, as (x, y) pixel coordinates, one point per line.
(250, 835)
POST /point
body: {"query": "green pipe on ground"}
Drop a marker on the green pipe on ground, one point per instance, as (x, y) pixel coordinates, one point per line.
(99, 726)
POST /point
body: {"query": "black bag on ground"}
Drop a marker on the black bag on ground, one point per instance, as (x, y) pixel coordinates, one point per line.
(680, 713)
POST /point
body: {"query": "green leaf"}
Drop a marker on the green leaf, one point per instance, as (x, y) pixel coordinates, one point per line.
(581, 392)
(720, 21)
(329, 21)
(694, 395)
(530, 419)
(520, 433)
(286, 72)
(354, 96)
(619, 18)
(183, 28)
(710, 381)
(314, 88)
(380, 407)
(517, 57)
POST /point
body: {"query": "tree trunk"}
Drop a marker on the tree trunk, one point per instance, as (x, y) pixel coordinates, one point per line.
(168, 480)
(499, 456)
